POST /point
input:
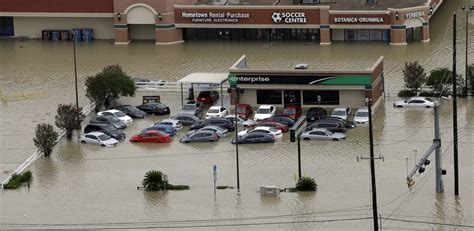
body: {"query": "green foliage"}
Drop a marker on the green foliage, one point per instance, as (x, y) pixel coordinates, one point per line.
(414, 76)
(306, 183)
(223, 187)
(470, 77)
(17, 180)
(406, 93)
(45, 138)
(68, 118)
(153, 182)
(108, 85)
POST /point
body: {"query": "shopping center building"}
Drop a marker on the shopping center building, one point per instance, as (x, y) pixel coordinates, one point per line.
(172, 21)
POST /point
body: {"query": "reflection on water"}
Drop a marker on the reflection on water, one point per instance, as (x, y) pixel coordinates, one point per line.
(91, 184)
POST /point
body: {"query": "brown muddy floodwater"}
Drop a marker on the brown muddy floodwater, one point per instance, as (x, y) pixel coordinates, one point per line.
(82, 186)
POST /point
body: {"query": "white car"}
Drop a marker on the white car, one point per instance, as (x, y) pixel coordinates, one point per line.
(268, 130)
(98, 138)
(117, 114)
(362, 115)
(216, 111)
(322, 134)
(264, 112)
(341, 112)
(415, 102)
(176, 124)
(241, 120)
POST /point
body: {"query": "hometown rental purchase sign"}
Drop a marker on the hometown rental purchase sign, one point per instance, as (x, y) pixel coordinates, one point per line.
(214, 17)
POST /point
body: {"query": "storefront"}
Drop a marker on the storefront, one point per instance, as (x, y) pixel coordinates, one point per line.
(309, 88)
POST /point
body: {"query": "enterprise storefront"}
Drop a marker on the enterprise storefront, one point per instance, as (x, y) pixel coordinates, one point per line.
(309, 88)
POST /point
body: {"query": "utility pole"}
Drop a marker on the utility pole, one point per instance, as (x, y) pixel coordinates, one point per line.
(467, 9)
(74, 37)
(455, 113)
(372, 168)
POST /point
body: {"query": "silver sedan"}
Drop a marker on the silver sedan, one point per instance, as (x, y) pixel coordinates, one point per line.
(322, 134)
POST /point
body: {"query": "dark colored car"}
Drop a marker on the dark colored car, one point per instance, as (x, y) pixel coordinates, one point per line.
(186, 119)
(254, 138)
(281, 119)
(333, 126)
(193, 108)
(104, 119)
(315, 113)
(244, 110)
(279, 126)
(221, 122)
(293, 111)
(106, 129)
(152, 136)
(155, 108)
(200, 136)
(162, 128)
(131, 111)
(348, 124)
(207, 97)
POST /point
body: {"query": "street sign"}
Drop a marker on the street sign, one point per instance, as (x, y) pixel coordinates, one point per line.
(233, 80)
(214, 168)
(150, 99)
(297, 128)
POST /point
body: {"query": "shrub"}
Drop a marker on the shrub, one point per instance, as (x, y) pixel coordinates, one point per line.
(153, 182)
(406, 94)
(17, 180)
(69, 118)
(45, 138)
(414, 76)
(177, 187)
(306, 183)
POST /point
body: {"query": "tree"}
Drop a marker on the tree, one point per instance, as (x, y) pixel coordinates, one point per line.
(108, 85)
(69, 118)
(306, 183)
(470, 77)
(152, 181)
(440, 80)
(414, 76)
(45, 138)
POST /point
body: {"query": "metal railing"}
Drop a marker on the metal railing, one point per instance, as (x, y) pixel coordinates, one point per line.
(61, 134)
(169, 86)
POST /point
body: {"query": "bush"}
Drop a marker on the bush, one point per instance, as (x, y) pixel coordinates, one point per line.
(153, 182)
(406, 94)
(414, 76)
(306, 183)
(177, 187)
(427, 94)
(17, 180)
(69, 118)
(45, 138)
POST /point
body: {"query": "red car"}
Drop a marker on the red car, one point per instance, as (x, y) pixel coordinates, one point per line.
(293, 111)
(154, 136)
(244, 110)
(272, 124)
(207, 97)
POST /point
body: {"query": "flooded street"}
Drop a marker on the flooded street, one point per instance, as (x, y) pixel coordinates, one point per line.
(83, 186)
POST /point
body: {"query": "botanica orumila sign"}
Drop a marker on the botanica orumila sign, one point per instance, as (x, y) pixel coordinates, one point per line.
(358, 20)
(215, 17)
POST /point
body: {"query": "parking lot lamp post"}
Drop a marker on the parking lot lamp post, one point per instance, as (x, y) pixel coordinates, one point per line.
(233, 85)
(74, 37)
(372, 165)
(467, 9)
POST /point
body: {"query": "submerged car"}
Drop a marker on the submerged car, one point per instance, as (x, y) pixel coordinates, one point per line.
(155, 108)
(221, 132)
(117, 114)
(240, 120)
(207, 97)
(112, 120)
(322, 134)
(98, 138)
(244, 110)
(281, 119)
(131, 111)
(186, 119)
(216, 111)
(341, 112)
(193, 108)
(200, 136)
(362, 115)
(254, 138)
(292, 111)
(315, 113)
(267, 130)
(106, 129)
(415, 102)
(264, 112)
(162, 128)
(279, 126)
(151, 136)
(221, 122)
(176, 124)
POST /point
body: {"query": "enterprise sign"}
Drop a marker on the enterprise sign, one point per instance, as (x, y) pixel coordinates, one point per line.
(281, 79)
(358, 20)
(214, 17)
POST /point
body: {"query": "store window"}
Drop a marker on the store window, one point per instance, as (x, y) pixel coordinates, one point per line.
(327, 97)
(269, 97)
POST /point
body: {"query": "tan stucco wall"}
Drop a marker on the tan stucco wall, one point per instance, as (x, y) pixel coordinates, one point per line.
(142, 32)
(337, 34)
(353, 99)
(32, 26)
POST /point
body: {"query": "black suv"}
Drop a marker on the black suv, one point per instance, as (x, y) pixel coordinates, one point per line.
(315, 113)
(106, 129)
(131, 111)
(154, 108)
(105, 119)
(333, 126)
(220, 122)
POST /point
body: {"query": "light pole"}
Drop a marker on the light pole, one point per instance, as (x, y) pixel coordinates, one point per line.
(467, 9)
(372, 166)
(74, 36)
(233, 85)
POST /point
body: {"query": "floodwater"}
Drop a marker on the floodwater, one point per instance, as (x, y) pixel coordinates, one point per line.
(82, 186)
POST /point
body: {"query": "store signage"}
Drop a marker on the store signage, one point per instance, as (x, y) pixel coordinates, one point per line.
(214, 17)
(414, 15)
(289, 17)
(358, 20)
(281, 79)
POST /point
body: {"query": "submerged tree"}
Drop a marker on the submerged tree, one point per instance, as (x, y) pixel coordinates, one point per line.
(45, 138)
(306, 183)
(470, 77)
(108, 85)
(69, 118)
(414, 76)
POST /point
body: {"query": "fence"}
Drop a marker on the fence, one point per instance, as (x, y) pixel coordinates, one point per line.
(174, 86)
(85, 111)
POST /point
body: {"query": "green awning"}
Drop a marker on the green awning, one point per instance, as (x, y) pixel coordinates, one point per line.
(349, 80)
